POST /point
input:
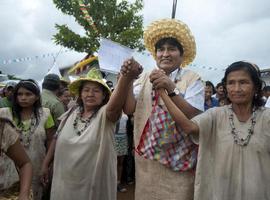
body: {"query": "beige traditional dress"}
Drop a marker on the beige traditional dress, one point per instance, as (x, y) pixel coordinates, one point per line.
(7, 139)
(85, 164)
(155, 181)
(35, 150)
(226, 170)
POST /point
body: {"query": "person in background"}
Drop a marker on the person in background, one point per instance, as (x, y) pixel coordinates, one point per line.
(209, 101)
(266, 93)
(234, 139)
(266, 96)
(35, 126)
(85, 160)
(50, 90)
(223, 101)
(2, 93)
(267, 104)
(8, 91)
(165, 156)
(219, 91)
(121, 146)
(10, 176)
(65, 97)
(129, 162)
(110, 84)
(10, 145)
(64, 83)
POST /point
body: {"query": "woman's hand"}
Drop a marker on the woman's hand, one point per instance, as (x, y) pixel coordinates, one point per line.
(131, 69)
(161, 92)
(44, 179)
(159, 79)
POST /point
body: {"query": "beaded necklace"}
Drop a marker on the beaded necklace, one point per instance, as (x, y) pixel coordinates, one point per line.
(86, 122)
(237, 139)
(25, 134)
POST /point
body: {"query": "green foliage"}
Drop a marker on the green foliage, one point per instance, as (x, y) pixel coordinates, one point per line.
(120, 22)
(13, 77)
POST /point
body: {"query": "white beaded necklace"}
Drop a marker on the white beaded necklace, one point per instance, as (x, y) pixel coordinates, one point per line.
(85, 121)
(237, 139)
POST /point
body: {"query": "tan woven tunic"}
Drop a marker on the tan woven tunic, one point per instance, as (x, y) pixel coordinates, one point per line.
(8, 138)
(85, 165)
(153, 180)
(226, 170)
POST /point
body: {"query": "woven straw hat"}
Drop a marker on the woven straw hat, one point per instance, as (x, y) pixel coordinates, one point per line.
(171, 28)
(93, 75)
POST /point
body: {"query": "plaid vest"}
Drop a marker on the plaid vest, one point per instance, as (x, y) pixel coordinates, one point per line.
(162, 141)
(156, 135)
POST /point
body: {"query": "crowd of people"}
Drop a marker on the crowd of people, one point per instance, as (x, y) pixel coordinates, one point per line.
(173, 134)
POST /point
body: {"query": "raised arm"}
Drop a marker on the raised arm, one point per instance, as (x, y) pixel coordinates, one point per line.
(179, 117)
(130, 104)
(122, 95)
(17, 154)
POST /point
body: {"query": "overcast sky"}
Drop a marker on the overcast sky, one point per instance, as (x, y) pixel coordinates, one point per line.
(225, 31)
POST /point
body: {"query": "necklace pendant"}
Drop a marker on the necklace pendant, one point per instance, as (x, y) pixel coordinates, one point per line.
(26, 145)
(25, 142)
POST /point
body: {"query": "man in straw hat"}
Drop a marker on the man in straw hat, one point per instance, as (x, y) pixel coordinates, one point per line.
(165, 156)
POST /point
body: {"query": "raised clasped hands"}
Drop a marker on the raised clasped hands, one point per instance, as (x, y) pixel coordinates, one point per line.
(160, 80)
(131, 68)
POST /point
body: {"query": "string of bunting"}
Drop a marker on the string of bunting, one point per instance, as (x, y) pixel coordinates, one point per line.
(31, 58)
(86, 15)
(194, 64)
(207, 68)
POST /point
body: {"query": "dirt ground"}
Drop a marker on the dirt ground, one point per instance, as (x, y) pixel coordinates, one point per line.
(129, 195)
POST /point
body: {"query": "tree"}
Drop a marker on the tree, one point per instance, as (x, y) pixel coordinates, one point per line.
(119, 22)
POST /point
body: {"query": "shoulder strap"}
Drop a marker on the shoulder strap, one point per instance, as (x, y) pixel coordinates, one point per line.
(64, 119)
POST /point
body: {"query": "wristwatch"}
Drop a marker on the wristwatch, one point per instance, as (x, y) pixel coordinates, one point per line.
(175, 92)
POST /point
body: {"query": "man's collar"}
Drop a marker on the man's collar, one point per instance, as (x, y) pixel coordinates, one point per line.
(175, 75)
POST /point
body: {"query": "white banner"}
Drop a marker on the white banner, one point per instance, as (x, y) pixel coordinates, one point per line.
(111, 55)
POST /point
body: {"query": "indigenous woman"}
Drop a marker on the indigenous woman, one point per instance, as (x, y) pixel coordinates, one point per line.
(10, 145)
(233, 161)
(35, 125)
(85, 158)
